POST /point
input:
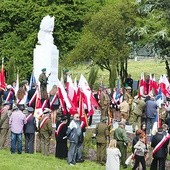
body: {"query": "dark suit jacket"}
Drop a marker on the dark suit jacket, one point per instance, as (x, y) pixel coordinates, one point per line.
(162, 152)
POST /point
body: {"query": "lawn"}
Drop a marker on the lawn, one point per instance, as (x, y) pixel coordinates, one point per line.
(135, 68)
(40, 162)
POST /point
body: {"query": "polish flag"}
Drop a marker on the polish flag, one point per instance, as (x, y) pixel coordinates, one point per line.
(87, 95)
(2, 79)
(153, 86)
(38, 105)
(71, 91)
(142, 85)
(65, 100)
(164, 84)
(17, 85)
(83, 116)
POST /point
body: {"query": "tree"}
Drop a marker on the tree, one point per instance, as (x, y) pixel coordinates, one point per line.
(104, 39)
(19, 26)
(152, 30)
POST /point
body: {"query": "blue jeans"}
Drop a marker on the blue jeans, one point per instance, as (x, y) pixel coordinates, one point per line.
(149, 124)
(16, 139)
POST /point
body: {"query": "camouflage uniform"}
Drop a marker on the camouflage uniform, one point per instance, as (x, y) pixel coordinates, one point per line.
(4, 127)
(124, 110)
(162, 114)
(137, 112)
(121, 137)
(129, 99)
(45, 135)
(43, 85)
(102, 134)
(104, 104)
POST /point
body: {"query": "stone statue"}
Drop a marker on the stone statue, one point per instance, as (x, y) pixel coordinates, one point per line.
(45, 34)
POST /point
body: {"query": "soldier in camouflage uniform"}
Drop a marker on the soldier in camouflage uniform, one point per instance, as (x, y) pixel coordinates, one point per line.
(129, 99)
(138, 112)
(5, 123)
(121, 137)
(162, 113)
(104, 103)
(102, 135)
(124, 110)
(45, 129)
(43, 79)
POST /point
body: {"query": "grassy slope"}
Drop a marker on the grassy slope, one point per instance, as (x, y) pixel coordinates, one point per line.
(135, 68)
(40, 162)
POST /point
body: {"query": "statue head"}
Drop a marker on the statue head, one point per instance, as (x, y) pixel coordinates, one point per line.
(45, 36)
(47, 24)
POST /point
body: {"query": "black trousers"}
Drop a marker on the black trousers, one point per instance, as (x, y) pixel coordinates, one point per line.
(139, 159)
(29, 142)
(158, 162)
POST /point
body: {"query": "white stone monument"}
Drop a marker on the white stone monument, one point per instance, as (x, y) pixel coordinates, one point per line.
(46, 54)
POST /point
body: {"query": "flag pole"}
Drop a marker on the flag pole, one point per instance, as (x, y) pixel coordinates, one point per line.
(2, 60)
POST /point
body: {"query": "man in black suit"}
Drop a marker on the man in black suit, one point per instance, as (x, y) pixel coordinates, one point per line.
(29, 131)
(159, 156)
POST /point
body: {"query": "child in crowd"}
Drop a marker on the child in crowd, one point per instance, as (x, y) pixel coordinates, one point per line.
(140, 151)
(113, 155)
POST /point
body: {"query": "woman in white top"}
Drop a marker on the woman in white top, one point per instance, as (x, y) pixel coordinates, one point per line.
(113, 155)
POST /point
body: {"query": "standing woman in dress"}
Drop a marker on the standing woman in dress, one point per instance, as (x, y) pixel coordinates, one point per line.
(54, 104)
(61, 138)
(113, 156)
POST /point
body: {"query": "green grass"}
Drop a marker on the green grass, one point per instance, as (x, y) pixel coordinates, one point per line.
(40, 162)
(135, 68)
(150, 66)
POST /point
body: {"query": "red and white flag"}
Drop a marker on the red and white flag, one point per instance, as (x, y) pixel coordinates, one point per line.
(17, 85)
(164, 84)
(2, 79)
(153, 86)
(38, 105)
(72, 91)
(142, 85)
(87, 95)
(83, 116)
(65, 100)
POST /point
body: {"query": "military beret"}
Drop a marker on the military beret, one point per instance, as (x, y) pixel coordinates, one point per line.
(44, 69)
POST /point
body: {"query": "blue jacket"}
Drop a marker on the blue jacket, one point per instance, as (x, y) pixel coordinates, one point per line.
(151, 108)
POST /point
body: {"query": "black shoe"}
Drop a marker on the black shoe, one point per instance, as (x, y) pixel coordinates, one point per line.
(80, 160)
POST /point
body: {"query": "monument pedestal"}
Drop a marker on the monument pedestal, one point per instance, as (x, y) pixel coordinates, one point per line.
(46, 56)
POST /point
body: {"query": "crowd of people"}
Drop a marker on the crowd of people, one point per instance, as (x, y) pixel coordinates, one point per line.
(17, 114)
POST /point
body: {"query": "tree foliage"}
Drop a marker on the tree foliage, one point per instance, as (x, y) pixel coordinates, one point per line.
(20, 21)
(104, 39)
(152, 29)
